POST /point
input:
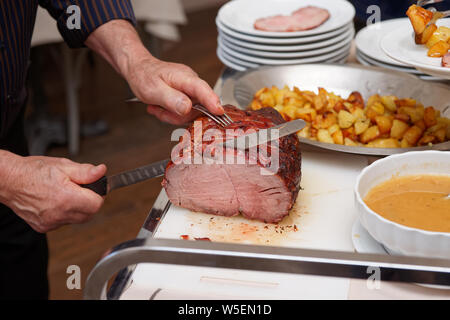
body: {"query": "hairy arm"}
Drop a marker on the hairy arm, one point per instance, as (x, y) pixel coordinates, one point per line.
(168, 88)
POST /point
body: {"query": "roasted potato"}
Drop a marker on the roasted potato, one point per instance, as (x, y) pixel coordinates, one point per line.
(385, 121)
(439, 49)
(398, 129)
(429, 117)
(370, 134)
(346, 119)
(384, 143)
(426, 34)
(412, 135)
(441, 34)
(419, 18)
(324, 136)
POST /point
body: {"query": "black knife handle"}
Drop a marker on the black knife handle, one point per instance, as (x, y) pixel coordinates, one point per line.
(100, 186)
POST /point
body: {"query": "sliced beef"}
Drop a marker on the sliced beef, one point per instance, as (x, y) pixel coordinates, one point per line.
(306, 18)
(446, 60)
(240, 187)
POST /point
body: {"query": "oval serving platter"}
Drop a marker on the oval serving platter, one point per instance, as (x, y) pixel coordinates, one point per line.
(342, 80)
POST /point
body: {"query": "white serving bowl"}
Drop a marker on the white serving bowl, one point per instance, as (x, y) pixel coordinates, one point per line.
(397, 238)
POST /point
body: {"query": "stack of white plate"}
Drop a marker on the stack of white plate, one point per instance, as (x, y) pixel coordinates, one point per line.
(241, 46)
(370, 53)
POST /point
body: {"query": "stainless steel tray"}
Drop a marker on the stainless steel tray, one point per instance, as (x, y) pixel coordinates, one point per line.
(239, 89)
(146, 249)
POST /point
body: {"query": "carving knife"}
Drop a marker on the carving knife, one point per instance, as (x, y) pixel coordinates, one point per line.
(106, 184)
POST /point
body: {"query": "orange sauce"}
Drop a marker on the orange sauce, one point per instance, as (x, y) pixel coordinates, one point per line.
(417, 201)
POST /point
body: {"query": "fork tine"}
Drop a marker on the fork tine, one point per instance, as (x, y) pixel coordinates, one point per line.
(216, 119)
(230, 121)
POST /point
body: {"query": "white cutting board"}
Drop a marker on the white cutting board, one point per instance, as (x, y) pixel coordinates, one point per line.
(323, 217)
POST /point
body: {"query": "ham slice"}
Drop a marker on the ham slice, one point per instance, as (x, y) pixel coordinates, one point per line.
(446, 60)
(306, 18)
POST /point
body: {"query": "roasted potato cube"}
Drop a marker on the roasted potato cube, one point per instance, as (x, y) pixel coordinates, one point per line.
(305, 132)
(338, 137)
(404, 144)
(402, 117)
(350, 142)
(346, 119)
(384, 143)
(290, 111)
(415, 114)
(412, 135)
(356, 99)
(361, 126)
(440, 135)
(441, 34)
(350, 133)
(426, 34)
(389, 102)
(358, 114)
(376, 109)
(384, 123)
(426, 140)
(324, 136)
(370, 134)
(405, 103)
(324, 121)
(430, 117)
(339, 106)
(333, 128)
(421, 124)
(373, 99)
(439, 49)
(320, 101)
(419, 18)
(398, 129)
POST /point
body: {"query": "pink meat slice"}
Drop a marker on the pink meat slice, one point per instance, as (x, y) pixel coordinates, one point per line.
(446, 60)
(306, 18)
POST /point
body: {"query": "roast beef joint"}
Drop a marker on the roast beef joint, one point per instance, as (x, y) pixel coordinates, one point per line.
(244, 186)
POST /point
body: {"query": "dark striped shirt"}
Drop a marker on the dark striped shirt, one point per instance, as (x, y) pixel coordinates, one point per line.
(17, 18)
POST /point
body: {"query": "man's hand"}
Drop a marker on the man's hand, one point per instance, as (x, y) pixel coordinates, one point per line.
(175, 87)
(45, 191)
(169, 89)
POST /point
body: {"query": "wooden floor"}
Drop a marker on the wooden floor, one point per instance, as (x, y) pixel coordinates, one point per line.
(134, 139)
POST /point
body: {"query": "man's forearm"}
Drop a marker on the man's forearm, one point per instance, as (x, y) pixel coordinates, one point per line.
(8, 165)
(118, 42)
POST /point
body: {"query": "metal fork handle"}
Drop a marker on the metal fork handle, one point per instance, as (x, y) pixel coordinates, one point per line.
(422, 3)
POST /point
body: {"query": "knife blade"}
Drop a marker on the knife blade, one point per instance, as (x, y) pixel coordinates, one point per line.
(105, 185)
(263, 136)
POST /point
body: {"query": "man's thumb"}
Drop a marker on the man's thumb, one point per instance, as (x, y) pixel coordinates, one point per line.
(86, 173)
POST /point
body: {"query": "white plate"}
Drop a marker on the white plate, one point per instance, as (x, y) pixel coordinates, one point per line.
(365, 243)
(287, 48)
(298, 54)
(235, 60)
(273, 41)
(374, 62)
(240, 15)
(240, 65)
(318, 58)
(228, 62)
(399, 45)
(368, 39)
(371, 62)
